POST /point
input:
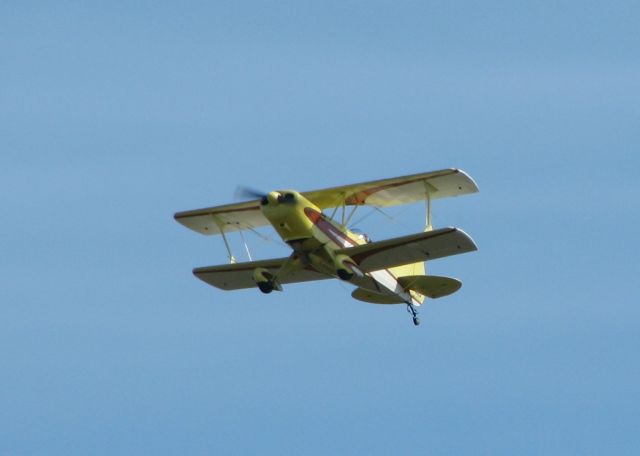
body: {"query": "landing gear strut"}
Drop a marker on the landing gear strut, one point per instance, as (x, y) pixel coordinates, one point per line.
(414, 313)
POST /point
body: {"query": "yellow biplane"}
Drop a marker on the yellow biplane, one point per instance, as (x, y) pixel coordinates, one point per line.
(391, 271)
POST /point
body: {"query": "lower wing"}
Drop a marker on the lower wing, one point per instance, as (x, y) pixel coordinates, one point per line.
(414, 248)
(238, 276)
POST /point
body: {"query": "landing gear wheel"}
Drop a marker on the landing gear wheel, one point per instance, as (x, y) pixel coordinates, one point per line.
(265, 287)
(344, 274)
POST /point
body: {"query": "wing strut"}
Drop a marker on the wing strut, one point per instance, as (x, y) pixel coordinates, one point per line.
(345, 218)
(427, 197)
(232, 259)
(348, 220)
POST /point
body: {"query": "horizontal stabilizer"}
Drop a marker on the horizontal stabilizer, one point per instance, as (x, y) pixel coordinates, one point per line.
(362, 294)
(430, 286)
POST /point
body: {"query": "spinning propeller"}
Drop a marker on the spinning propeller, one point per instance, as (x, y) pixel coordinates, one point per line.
(244, 192)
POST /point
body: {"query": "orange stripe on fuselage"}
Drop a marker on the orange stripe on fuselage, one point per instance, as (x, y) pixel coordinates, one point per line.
(340, 238)
(331, 231)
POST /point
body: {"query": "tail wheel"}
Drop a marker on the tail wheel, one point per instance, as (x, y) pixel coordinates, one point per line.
(412, 310)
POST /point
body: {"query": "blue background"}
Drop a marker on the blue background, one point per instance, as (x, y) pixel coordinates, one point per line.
(114, 116)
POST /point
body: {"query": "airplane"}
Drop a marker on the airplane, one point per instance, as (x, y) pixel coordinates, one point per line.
(390, 271)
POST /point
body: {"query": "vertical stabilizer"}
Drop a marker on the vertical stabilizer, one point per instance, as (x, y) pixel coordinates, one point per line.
(415, 269)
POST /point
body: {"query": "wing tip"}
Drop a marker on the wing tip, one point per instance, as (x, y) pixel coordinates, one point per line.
(473, 186)
(469, 239)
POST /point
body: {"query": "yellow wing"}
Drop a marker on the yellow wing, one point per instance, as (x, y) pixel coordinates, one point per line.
(426, 246)
(240, 275)
(397, 190)
(384, 192)
(230, 217)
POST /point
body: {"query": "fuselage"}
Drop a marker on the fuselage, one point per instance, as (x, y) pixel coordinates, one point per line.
(319, 242)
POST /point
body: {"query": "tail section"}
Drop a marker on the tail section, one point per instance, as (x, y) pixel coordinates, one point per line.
(411, 270)
(413, 278)
(431, 286)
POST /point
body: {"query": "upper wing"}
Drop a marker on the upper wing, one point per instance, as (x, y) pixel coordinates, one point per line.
(385, 192)
(414, 248)
(240, 275)
(230, 217)
(397, 190)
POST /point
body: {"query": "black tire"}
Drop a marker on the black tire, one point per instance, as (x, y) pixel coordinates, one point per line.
(344, 274)
(265, 287)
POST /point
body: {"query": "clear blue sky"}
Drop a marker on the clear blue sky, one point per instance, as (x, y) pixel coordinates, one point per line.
(115, 115)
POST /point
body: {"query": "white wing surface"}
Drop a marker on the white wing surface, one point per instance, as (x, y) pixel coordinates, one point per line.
(385, 192)
(410, 249)
(397, 190)
(230, 217)
(240, 275)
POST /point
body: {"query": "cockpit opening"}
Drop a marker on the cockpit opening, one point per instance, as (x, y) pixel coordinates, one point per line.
(361, 235)
(287, 198)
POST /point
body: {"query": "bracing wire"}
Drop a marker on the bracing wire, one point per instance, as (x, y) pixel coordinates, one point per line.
(391, 218)
(364, 217)
(246, 246)
(266, 238)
